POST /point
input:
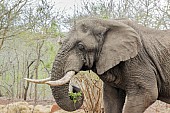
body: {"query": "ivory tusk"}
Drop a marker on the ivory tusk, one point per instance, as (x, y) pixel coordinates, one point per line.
(63, 80)
(41, 81)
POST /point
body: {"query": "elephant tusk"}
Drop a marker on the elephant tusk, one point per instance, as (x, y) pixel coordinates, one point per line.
(41, 81)
(63, 80)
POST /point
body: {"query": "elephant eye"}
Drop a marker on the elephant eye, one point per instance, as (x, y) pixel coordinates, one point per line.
(81, 47)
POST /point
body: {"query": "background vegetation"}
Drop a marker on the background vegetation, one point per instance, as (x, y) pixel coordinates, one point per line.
(30, 31)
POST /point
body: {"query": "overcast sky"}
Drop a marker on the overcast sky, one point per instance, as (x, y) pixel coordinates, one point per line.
(68, 5)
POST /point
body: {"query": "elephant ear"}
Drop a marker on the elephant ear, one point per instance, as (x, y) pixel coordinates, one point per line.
(121, 42)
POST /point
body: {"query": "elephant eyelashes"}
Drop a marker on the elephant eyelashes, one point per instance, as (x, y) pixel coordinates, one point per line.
(100, 35)
(81, 47)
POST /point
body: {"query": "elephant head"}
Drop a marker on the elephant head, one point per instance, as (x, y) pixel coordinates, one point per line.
(94, 44)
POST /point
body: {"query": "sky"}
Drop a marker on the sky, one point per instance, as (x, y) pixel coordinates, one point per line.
(65, 3)
(68, 5)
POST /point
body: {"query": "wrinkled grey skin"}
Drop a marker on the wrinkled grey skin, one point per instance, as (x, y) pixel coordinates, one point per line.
(133, 61)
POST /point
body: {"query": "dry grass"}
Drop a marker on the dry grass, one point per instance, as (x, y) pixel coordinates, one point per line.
(91, 86)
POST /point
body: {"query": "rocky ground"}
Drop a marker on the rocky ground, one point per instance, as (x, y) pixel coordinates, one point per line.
(157, 107)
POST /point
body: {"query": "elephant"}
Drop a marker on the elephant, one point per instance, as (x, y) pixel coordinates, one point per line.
(132, 60)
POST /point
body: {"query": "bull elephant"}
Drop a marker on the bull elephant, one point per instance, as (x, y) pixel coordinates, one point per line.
(133, 62)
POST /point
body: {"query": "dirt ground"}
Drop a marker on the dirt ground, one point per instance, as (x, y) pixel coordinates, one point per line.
(5, 101)
(157, 107)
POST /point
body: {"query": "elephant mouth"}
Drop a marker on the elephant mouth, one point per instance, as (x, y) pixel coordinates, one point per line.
(85, 68)
(88, 64)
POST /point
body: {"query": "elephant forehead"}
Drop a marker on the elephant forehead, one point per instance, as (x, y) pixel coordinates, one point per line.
(87, 38)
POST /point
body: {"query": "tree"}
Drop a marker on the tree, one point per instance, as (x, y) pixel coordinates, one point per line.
(22, 56)
(8, 16)
(151, 13)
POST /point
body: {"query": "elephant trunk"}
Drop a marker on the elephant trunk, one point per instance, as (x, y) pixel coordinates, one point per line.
(61, 93)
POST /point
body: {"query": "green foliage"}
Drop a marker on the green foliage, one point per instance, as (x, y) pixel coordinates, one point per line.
(75, 96)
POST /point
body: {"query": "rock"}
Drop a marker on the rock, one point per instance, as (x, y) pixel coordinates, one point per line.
(55, 108)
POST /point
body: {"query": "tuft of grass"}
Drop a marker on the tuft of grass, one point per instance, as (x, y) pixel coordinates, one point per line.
(75, 96)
